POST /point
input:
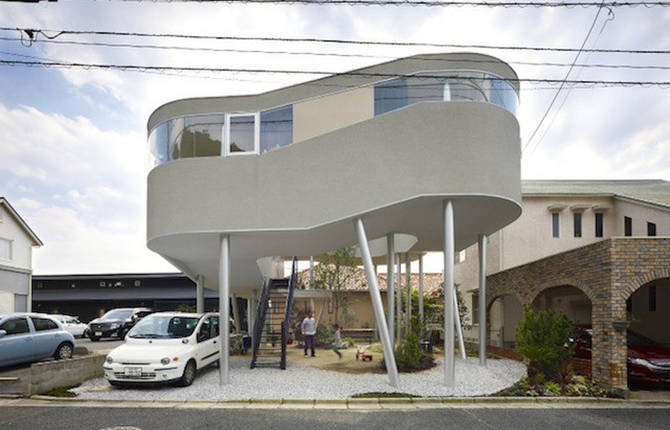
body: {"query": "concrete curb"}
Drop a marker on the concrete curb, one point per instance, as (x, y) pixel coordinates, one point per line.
(352, 403)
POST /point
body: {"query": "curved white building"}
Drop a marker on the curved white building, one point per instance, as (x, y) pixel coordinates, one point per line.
(427, 145)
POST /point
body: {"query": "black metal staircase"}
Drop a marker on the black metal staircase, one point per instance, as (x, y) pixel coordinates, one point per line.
(273, 317)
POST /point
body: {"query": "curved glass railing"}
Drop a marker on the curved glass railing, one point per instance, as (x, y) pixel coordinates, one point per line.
(220, 134)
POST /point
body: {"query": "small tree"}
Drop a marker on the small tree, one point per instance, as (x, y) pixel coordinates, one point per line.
(335, 271)
(543, 338)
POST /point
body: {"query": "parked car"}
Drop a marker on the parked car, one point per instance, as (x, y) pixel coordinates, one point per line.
(165, 347)
(116, 323)
(648, 361)
(72, 324)
(29, 337)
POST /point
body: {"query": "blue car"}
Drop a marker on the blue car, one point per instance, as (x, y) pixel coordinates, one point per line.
(28, 337)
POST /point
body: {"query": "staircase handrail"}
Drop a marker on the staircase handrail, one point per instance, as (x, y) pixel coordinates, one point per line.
(260, 319)
(288, 309)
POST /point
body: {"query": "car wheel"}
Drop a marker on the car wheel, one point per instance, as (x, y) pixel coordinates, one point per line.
(189, 374)
(64, 351)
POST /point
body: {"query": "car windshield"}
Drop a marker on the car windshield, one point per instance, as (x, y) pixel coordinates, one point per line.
(636, 339)
(164, 326)
(117, 314)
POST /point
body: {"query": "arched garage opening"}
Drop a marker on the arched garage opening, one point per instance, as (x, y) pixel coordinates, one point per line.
(566, 299)
(503, 315)
(648, 337)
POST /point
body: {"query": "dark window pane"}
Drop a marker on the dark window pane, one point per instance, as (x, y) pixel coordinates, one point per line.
(15, 326)
(577, 221)
(629, 304)
(554, 224)
(390, 95)
(42, 324)
(652, 298)
(651, 229)
(276, 128)
(242, 133)
(627, 226)
(599, 225)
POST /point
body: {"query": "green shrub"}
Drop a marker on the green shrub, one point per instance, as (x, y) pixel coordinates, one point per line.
(552, 388)
(408, 354)
(324, 336)
(542, 337)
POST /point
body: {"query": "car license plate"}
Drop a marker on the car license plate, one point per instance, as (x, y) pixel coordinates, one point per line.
(132, 371)
(98, 333)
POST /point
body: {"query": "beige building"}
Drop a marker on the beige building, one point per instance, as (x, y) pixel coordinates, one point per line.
(559, 216)
(16, 249)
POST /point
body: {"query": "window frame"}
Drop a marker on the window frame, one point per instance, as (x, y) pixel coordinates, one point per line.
(651, 229)
(577, 224)
(225, 141)
(10, 242)
(555, 225)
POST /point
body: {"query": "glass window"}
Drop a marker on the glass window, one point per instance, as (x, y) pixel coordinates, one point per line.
(5, 249)
(627, 226)
(175, 135)
(390, 95)
(554, 224)
(475, 308)
(651, 229)
(158, 144)
(577, 222)
(502, 93)
(42, 324)
(205, 331)
(15, 326)
(599, 224)
(206, 134)
(276, 128)
(241, 135)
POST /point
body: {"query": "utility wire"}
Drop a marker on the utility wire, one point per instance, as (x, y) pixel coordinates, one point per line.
(337, 54)
(326, 40)
(567, 75)
(63, 64)
(430, 3)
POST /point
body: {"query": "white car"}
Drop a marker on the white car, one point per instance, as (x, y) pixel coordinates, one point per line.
(166, 347)
(72, 324)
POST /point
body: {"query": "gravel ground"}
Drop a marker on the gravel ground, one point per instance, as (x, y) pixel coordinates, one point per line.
(302, 382)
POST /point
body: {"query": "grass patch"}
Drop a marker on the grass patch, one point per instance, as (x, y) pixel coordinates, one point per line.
(379, 395)
(62, 391)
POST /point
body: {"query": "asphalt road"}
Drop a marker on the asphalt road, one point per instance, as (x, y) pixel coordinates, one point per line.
(74, 418)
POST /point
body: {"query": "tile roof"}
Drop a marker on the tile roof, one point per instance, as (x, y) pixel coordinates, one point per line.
(654, 191)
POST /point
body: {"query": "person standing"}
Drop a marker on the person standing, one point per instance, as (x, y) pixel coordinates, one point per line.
(308, 329)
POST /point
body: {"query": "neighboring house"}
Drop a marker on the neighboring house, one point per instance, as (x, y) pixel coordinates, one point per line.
(597, 250)
(16, 259)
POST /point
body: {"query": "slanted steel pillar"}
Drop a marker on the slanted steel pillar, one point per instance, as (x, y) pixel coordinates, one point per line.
(421, 290)
(459, 329)
(200, 294)
(376, 299)
(449, 362)
(390, 285)
(252, 318)
(408, 287)
(482, 299)
(311, 281)
(224, 310)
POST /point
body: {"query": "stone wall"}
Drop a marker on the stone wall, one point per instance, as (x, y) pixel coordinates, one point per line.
(62, 373)
(607, 272)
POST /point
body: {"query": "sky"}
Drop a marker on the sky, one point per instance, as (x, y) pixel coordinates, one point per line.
(74, 157)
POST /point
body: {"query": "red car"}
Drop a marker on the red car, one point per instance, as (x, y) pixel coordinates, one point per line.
(648, 361)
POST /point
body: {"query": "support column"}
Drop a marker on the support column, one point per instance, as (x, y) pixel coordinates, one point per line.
(200, 294)
(398, 300)
(252, 318)
(390, 285)
(408, 287)
(311, 281)
(224, 310)
(449, 362)
(459, 329)
(421, 290)
(482, 299)
(376, 299)
(236, 314)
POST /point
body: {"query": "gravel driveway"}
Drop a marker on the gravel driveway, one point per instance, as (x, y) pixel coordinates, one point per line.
(301, 382)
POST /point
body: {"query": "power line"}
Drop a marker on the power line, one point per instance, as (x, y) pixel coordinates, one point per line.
(430, 3)
(58, 33)
(124, 67)
(337, 54)
(558, 91)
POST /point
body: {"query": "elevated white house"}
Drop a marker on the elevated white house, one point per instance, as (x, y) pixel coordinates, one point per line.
(16, 256)
(426, 146)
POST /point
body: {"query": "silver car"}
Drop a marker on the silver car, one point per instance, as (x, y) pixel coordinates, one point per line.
(28, 337)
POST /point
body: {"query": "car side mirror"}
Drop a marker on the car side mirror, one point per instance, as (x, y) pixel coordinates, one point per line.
(3, 333)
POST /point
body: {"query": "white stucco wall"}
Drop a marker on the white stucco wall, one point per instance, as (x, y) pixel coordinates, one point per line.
(641, 213)
(21, 243)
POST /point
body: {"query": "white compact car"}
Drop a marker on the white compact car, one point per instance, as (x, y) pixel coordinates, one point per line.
(72, 324)
(165, 347)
